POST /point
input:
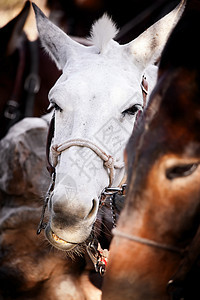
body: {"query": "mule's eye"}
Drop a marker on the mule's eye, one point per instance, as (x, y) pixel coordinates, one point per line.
(132, 110)
(181, 171)
(55, 106)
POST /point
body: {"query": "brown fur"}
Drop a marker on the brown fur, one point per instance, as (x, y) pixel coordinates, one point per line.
(31, 269)
(158, 208)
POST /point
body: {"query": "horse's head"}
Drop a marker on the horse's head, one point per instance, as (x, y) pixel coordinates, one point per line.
(96, 100)
(161, 215)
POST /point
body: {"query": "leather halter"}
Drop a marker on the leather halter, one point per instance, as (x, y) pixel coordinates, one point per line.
(19, 106)
(50, 136)
(144, 87)
(12, 112)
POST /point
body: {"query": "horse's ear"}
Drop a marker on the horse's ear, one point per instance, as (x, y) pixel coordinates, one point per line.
(55, 41)
(10, 34)
(147, 47)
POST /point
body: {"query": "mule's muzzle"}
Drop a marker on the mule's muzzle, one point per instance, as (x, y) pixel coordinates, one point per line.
(57, 242)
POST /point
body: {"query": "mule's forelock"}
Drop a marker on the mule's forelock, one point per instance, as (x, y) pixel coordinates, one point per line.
(102, 31)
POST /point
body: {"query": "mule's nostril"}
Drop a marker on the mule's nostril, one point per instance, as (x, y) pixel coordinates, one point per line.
(93, 209)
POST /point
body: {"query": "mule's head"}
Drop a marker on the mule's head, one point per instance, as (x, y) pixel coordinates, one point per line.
(163, 201)
(96, 100)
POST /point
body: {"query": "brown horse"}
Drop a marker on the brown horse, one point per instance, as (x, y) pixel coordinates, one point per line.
(31, 270)
(157, 240)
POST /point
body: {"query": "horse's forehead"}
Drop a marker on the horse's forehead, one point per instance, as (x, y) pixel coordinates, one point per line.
(98, 76)
(101, 67)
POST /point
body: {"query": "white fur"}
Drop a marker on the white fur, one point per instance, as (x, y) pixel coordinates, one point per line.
(98, 83)
(103, 30)
(155, 37)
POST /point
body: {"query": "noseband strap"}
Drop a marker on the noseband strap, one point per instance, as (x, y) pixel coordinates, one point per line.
(109, 161)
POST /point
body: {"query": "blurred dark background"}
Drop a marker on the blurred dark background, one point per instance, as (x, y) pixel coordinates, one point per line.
(76, 16)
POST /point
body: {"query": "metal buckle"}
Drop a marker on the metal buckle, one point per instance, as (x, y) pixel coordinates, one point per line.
(98, 256)
(11, 109)
(109, 191)
(32, 83)
(118, 190)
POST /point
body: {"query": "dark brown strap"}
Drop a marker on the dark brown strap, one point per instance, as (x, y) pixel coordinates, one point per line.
(11, 113)
(12, 108)
(50, 136)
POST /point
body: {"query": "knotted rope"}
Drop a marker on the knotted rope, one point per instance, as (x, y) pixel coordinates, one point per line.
(109, 161)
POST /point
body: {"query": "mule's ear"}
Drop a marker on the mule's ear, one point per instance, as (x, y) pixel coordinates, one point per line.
(11, 33)
(55, 41)
(147, 47)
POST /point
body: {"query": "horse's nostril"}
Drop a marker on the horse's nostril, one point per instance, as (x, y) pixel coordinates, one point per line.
(93, 209)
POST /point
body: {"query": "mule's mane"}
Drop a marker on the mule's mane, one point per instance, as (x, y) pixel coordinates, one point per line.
(102, 31)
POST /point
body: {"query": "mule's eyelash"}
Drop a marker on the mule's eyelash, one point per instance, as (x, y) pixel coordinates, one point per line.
(54, 105)
(50, 106)
(132, 110)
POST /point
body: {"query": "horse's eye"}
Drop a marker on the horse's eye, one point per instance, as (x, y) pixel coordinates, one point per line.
(132, 110)
(181, 171)
(55, 106)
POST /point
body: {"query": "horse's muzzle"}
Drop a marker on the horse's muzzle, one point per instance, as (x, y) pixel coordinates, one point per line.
(57, 242)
